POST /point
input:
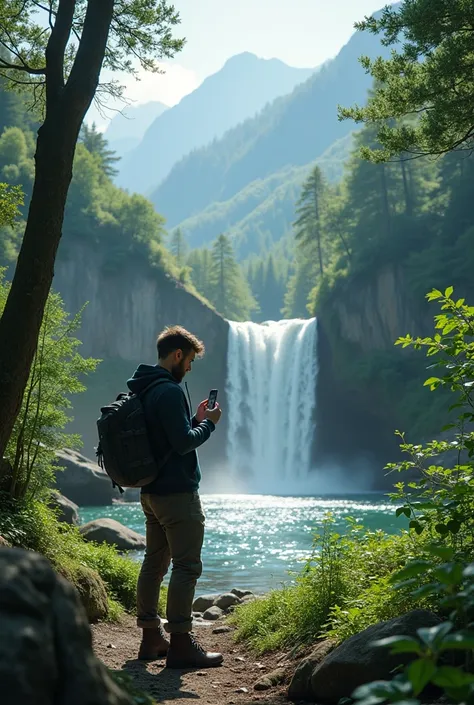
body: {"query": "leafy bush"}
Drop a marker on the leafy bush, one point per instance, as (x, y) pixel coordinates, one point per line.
(39, 429)
(343, 570)
(33, 525)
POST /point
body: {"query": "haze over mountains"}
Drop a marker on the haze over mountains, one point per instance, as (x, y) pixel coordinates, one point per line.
(216, 163)
(239, 90)
(125, 131)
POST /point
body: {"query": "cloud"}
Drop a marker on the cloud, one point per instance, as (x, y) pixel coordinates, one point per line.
(168, 88)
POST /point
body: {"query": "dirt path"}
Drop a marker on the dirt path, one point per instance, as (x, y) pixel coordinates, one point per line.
(231, 684)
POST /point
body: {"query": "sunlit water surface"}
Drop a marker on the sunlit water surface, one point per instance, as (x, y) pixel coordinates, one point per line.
(256, 541)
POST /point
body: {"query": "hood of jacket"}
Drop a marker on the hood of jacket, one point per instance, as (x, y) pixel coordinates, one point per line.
(145, 375)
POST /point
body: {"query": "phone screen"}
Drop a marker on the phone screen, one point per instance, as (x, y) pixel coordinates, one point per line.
(211, 402)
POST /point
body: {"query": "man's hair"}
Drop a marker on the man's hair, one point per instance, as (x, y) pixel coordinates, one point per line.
(178, 338)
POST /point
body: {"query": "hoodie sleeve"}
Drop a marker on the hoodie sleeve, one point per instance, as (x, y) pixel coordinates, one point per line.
(173, 415)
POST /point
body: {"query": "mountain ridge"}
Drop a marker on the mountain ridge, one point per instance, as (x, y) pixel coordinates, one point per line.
(243, 86)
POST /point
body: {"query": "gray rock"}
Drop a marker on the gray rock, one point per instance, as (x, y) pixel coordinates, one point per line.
(113, 533)
(82, 481)
(248, 598)
(227, 600)
(241, 593)
(221, 630)
(67, 511)
(271, 679)
(46, 655)
(213, 613)
(202, 603)
(300, 685)
(356, 661)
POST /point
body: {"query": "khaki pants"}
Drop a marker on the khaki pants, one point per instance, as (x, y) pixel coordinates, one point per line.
(174, 531)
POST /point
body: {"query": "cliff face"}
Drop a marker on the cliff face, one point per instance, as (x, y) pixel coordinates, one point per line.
(127, 307)
(373, 315)
(365, 385)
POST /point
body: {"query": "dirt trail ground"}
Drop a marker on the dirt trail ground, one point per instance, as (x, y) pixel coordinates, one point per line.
(231, 684)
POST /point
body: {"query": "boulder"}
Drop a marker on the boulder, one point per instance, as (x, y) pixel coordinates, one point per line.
(3, 542)
(357, 661)
(227, 600)
(67, 511)
(271, 679)
(213, 613)
(82, 481)
(300, 685)
(241, 593)
(114, 533)
(202, 603)
(46, 655)
(91, 589)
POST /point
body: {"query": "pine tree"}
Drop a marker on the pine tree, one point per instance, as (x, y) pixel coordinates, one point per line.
(309, 209)
(229, 290)
(95, 142)
(178, 246)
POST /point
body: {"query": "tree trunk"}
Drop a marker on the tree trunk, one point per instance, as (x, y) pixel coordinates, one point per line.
(385, 201)
(66, 106)
(406, 190)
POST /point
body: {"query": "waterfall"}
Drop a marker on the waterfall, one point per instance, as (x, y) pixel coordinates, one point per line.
(271, 399)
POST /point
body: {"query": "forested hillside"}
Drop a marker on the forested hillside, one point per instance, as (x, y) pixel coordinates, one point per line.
(97, 211)
(239, 90)
(293, 131)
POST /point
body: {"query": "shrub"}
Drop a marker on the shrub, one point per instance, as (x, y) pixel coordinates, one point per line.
(33, 525)
(342, 569)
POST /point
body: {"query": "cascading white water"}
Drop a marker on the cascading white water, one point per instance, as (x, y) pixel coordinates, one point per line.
(271, 398)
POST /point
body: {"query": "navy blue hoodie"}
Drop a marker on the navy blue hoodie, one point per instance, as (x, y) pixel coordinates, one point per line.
(171, 430)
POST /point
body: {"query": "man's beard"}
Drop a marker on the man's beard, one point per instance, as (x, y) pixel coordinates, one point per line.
(179, 371)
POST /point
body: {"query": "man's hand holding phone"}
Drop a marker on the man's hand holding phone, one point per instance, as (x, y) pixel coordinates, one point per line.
(209, 409)
(214, 414)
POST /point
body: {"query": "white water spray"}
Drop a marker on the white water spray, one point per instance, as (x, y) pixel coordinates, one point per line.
(271, 396)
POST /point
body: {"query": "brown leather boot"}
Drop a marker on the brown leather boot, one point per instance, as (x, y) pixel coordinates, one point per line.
(154, 644)
(186, 652)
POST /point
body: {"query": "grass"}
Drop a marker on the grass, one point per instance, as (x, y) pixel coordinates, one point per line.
(34, 526)
(342, 590)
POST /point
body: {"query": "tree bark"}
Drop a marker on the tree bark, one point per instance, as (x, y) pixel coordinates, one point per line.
(406, 189)
(66, 106)
(385, 201)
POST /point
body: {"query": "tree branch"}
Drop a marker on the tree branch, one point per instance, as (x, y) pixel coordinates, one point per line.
(56, 48)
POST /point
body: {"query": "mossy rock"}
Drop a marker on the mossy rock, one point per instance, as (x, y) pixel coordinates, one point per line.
(91, 589)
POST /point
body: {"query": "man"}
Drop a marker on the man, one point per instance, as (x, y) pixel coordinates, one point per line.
(173, 512)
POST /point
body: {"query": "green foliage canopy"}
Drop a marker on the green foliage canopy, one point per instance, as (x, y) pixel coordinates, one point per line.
(430, 77)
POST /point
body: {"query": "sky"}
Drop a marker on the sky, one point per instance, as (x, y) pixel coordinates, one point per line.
(302, 33)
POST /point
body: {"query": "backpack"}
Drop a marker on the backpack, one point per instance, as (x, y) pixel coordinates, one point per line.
(124, 450)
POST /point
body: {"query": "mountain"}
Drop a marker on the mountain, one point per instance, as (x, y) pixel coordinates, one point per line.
(239, 90)
(126, 129)
(262, 213)
(292, 131)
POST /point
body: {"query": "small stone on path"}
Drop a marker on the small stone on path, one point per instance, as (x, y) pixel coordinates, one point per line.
(221, 630)
(242, 690)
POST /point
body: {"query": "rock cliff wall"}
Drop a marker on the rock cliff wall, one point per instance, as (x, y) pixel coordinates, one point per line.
(127, 307)
(364, 380)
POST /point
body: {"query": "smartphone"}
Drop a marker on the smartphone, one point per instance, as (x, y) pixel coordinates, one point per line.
(211, 402)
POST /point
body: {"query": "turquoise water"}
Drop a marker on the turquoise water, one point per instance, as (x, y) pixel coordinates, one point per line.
(253, 541)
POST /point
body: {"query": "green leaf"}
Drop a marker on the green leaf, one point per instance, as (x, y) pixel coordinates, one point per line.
(428, 589)
(420, 673)
(449, 573)
(432, 636)
(399, 644)
(412, 569)
(403, 510)
(432, 380)
(451, 677)
(442, 529)
(463, 641)
(448, 292)
(444, 552)
(418, 528)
